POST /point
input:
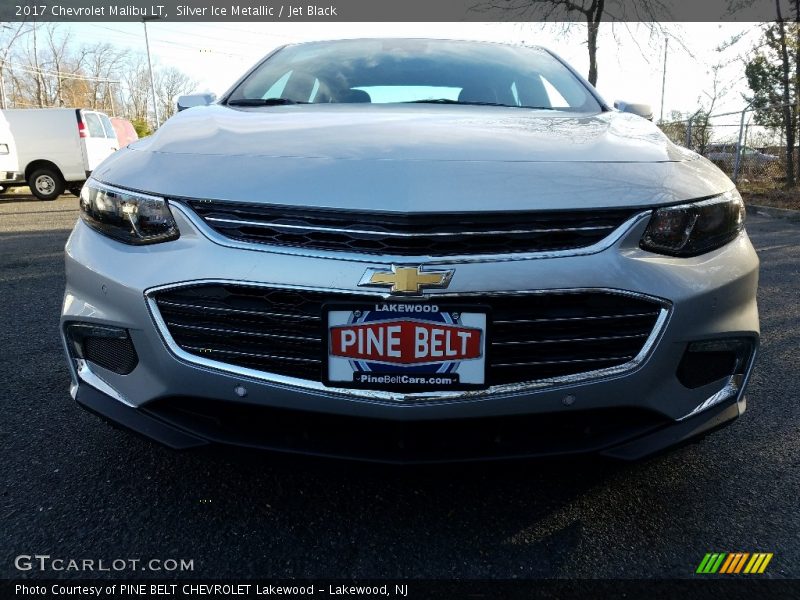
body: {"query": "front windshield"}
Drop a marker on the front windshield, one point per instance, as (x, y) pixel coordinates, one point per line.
(387, 71)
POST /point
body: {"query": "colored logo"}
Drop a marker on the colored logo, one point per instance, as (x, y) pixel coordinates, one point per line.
(406, 280)
(734, 563)
(406, 342)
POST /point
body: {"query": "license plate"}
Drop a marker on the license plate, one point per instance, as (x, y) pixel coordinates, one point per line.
(411, 346)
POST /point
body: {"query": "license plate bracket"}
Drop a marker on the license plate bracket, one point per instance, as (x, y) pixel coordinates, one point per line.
(407, 346)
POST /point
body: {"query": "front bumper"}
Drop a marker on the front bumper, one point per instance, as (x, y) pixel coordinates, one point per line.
(710, 297)
(365, 439)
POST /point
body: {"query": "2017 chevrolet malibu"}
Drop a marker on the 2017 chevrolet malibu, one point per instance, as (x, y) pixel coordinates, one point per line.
(411, 250)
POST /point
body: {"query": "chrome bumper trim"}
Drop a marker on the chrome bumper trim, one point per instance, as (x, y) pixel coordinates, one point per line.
(86, 375)
(734, 388)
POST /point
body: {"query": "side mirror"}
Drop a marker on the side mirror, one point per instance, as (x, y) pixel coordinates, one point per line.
(192, 100)
(641, 110)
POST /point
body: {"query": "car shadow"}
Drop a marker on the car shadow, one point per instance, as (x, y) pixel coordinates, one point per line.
(11, 198)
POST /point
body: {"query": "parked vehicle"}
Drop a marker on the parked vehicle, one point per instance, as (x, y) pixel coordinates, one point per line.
(410, 251)
(126, 133)
(60, 147)
(9, 160)
(726, 154)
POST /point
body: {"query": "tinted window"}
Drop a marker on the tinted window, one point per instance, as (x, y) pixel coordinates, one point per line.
(382, 71)
(94, 125)
(109, 128)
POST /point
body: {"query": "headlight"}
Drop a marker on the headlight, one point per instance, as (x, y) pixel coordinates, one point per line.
(692, 229)
(129, 217)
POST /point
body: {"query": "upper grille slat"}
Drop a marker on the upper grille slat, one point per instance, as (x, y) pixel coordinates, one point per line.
(576, 319)
(607, 338)
(225, 331)
(532, 363)
(273, 315)
(532, 336)
(410, 234)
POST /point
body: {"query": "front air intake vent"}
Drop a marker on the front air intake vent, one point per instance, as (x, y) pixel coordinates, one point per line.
(107, 347)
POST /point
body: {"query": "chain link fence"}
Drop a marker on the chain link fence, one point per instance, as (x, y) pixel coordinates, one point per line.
(745, 151)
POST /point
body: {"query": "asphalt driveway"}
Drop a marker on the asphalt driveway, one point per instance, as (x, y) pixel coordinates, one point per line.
(72, 486)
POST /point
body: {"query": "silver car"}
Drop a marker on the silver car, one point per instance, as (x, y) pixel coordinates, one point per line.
(410, 251)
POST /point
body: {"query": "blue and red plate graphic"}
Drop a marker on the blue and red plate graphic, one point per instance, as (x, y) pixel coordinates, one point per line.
(406, 345)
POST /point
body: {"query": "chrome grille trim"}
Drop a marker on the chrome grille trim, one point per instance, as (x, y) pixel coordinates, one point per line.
(379, 233)
(420, 397)
(429, 259)
(256, 355)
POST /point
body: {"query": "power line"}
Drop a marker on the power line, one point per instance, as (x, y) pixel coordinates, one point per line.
(157, 40)
(222, 39)
(60, 74)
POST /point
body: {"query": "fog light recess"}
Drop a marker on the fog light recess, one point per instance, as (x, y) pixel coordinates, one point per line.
(107, 347)
(708, 361)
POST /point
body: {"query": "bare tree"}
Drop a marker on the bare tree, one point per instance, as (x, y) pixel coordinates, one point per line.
(788, 113)
(51, 70)
(170, 83)
(37, 69)
(593, 12)
(701, 126)
(8, 44)
(796, 43)
(102, 63)
(59, 62)
(136, 82)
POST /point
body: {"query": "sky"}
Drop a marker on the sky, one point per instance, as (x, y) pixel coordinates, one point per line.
(630, 61)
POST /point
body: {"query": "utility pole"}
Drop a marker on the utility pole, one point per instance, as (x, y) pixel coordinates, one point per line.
(150, 67)
(3, 103)
(664, 76)
(111, 96)
(39, 79)
(3, 70)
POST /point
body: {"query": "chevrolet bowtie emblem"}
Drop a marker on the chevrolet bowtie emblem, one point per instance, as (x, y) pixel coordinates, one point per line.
(406, 280)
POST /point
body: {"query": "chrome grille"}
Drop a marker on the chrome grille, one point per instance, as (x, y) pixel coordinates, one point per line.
(533, 336)
(411, 234)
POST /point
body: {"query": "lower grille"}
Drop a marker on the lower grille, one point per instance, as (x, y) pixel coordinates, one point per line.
(533, 336)
(404, 441)
(108, 347)
(117, 355)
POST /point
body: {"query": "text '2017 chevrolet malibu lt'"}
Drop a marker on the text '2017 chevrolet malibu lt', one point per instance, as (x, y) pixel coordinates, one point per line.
(410, 251)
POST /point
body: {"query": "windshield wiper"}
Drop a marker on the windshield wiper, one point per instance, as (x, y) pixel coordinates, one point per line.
(449, 101)
(263, 102)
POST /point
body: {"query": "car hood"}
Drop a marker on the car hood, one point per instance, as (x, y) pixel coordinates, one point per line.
(413, 158)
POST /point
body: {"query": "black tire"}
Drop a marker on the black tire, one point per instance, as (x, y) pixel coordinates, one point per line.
(75, 189)
(46, 184)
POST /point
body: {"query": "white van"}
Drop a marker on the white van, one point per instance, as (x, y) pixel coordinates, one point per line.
(60, 147)
(9, 161)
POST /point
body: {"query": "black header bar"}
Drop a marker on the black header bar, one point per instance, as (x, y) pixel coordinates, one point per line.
(388, 10)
